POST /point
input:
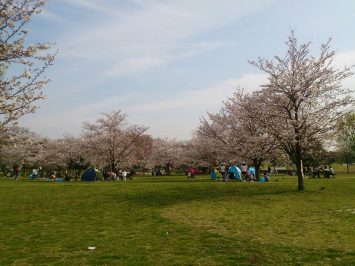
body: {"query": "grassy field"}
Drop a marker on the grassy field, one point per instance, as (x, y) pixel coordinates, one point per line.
(178, 221)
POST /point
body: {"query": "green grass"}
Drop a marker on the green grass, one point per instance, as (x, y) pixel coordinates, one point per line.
(178, 221)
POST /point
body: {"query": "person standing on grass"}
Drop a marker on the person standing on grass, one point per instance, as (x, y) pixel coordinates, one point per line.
(244, 169)
(124, 175)
(331, 171)
(17, 172)
(34, 173)
(222, 170)
(119, 175)
(326, 172)
(214, 174)
(251, 172)
(267, 178)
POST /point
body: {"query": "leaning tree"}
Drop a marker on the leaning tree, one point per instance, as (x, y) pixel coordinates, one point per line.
(21, 65)
(302, 99)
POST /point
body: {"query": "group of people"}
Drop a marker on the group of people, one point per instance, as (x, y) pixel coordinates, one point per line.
(121, 175)
(326, 172)
(243, 172)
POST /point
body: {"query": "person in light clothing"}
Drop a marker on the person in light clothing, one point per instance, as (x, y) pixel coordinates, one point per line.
(124, 175)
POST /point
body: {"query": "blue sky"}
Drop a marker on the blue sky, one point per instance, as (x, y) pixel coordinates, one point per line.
(167, 62)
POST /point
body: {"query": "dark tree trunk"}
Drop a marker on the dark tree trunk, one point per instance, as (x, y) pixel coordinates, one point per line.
(347, 168)
(168, 168)
(257, 165)
(113, 167)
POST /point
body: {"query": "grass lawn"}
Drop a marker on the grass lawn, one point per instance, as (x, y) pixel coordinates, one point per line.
(178, 221)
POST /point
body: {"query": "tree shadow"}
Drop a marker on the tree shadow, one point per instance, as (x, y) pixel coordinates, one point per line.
(174, 195)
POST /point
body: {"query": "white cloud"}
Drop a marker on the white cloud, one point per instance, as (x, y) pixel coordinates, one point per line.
(134, 65)
(70, 120)
(156, 30)
(178, 116)
(51, 16)
(99, 6)
(150, 113)
(202, 99)
(347, 59)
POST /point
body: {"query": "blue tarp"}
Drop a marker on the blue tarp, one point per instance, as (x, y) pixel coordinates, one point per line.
(89, 175)
(236, 171)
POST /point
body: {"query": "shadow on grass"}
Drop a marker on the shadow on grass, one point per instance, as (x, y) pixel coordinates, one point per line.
(175, 195)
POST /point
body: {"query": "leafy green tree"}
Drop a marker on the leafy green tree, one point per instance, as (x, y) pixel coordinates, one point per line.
(346, 139)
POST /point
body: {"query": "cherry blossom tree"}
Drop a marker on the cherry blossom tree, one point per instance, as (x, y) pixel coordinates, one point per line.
(51, 154)
(73, 157)
(254, 142)
(141, 154)
(111, 141)
(21, 148)
(200, 151)
(21, 66)
(303, 98)
(167, 153)
(236, 133)
(213, 140)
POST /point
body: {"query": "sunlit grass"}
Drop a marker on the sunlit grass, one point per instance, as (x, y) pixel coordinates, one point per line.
(174, 220)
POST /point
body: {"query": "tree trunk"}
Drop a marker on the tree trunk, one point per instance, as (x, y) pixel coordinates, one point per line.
(299, 173)
(298, 155)
(257, 165)
(113, 167)
(347, 168)
(168, 169)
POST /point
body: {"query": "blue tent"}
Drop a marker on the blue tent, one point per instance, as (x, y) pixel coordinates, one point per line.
(236, 171)
(91, 174)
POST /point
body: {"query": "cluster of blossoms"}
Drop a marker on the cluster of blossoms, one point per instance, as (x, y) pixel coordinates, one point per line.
(21, 66)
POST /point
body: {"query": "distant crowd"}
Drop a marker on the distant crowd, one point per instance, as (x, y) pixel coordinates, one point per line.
(242, 172)
(326, 171)
(223, 172)
(121, 175)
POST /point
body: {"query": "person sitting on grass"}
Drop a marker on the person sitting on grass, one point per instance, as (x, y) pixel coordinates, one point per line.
(214, 174)
(53, 175)
(265, 178)
(331, 171)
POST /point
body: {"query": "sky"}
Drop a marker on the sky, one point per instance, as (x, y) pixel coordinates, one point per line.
(166, 63)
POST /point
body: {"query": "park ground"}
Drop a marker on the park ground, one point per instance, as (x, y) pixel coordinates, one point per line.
(178, 221)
